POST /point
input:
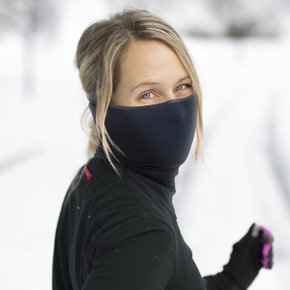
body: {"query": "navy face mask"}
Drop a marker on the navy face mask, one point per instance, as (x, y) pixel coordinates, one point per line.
(155, 139)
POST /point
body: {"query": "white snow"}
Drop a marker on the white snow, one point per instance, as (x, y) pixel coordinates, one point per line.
(243, 177)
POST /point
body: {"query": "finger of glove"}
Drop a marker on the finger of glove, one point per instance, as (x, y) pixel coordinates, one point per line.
(266, 239)
(262, 233)
(267, 256)
(248, 237)
(270, 260)
(265, 235)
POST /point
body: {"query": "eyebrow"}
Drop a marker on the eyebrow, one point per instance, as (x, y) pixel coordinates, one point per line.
(151, 83)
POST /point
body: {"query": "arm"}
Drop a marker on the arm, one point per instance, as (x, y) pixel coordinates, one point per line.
(249, 255)
(138, 256)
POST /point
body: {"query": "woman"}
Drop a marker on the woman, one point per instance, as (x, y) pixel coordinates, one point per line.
(117, 227)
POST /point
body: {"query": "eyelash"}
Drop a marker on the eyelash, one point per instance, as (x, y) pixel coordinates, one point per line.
(187, 85)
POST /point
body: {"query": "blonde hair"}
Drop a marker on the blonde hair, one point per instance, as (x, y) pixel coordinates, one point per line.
(98, 60)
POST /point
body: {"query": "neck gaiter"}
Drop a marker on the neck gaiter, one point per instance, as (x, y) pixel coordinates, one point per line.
(155, 139)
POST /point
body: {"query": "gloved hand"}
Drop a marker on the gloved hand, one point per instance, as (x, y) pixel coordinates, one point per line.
(249, 255)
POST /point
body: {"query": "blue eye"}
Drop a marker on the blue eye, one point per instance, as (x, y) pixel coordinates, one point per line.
(146, 96)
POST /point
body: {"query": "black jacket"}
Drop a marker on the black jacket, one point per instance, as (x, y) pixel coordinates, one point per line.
(117, 233)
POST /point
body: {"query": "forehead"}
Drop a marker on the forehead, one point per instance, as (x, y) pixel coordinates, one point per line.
(145, 58)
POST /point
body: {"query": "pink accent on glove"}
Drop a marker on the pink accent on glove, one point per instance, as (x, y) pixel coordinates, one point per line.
(267, 246)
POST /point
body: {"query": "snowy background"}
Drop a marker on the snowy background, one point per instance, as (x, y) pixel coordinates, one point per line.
(241, 52)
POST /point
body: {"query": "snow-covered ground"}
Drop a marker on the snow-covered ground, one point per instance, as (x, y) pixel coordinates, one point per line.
(242, 178)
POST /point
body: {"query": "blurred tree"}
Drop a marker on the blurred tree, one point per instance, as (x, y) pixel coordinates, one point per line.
(232, 18)
(27, 18)
(243, 18)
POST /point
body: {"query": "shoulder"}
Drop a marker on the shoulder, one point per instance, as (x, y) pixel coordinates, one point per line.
(147, 234)
(140, 253)
(109, 191)
(146, 226)
(118, 205)
(95, 182)
(104, 202)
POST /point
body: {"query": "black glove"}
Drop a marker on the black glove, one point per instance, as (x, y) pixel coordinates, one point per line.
(249, 255)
